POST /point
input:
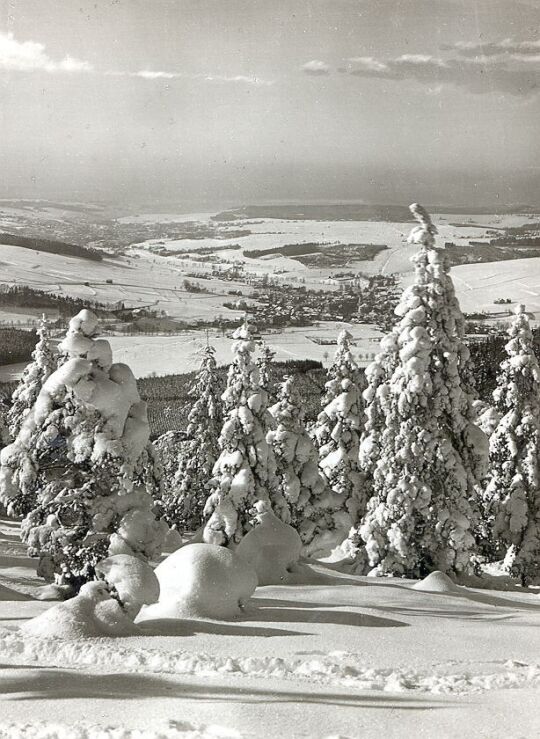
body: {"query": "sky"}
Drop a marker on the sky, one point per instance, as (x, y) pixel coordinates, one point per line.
(215, 102)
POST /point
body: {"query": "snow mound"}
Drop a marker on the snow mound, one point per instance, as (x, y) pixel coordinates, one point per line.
(51, 591)
(436, 582)
(91, 613)
(82, 730)
(133, 579)
(202, 581)
(272, 548)
(7, 594)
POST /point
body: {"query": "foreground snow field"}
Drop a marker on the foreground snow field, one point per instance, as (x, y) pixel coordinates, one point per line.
(342, 656)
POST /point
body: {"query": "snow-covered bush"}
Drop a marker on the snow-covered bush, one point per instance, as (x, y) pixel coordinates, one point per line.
(202, 581)
(43, 364)
(421, 449)
(132, 581)
(93, 612)
(337, 436)
(183, 503)
(77, 458)
(245, 471)
(302, 484)
(272, 548)
(513, 493)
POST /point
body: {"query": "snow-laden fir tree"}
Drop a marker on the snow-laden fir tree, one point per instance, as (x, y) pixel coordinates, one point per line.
(244, 474)
(337, 436)
(78, 454)
(300, 479)
(184, 502)
(43, 364)
(4, 430)
(264, 363)
(423, 453)
(513, 493)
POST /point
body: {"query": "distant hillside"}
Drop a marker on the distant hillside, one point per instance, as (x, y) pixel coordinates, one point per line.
(50, 246)
(354, 212)
(340, 212)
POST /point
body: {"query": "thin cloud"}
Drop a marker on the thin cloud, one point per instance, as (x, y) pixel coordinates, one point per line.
(30, 56)
(316, 67)
(478, 75)
(516, 49)
(147, 74)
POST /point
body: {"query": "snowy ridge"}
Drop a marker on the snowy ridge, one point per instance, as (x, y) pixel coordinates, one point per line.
(335, 668)
(175, 730)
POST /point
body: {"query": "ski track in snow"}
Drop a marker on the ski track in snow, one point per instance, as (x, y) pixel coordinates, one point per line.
(337, 668)
(82, 730)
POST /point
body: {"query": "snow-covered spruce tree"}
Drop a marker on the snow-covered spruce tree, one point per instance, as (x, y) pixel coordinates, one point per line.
(337, 437)
(43, 364)
(244, 474)
(4, 430)
(513, 493)
(184, 503)
(300, 479)
(78, 454)
(264, 363)
(423, 453)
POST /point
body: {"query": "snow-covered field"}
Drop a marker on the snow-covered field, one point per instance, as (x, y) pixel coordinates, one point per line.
(146, 279)
(177, 354)
(369, 657)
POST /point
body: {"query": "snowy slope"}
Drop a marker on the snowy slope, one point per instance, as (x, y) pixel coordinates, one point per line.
(342, 656)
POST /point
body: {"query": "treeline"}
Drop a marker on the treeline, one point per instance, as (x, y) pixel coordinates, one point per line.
(169, 402)
(52, 247)
(287, 250)
(16, 345)
(28, 297)
(486, 357)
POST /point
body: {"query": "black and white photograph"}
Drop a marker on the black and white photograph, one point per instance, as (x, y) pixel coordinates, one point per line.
(269, 369)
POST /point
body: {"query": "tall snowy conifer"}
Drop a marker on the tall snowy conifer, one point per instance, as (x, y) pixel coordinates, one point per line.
(337, 436)
(245, 473)
(423, 453)
(300, 480)
(264, 364)
(77, 457)
(184, 503)
(43, 364)
(4, 430)
(513, 493)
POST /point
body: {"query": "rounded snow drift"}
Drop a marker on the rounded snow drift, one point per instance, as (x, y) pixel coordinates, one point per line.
(271, 548)
(436, 582)
(201, 581)
(91, 613)
(133, 579)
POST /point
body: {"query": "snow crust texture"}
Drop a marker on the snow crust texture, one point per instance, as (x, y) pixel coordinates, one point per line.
(83, 730)
(336, 668)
